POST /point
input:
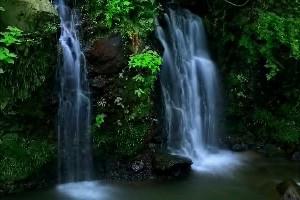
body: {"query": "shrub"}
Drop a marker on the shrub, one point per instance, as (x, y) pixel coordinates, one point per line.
(99, 120)
(278, 129)
(134, 19)
(149, 60)
(10, 37)
(132, 107)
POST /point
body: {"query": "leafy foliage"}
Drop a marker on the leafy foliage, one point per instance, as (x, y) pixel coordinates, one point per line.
(127, 123)
(9, 38)
(134, 19)
(116, 11)
(99, 120)
(131, 16)
(259, 58)
(127, 141)
(12, 36)
(283, 130)
(35, 63)
(131, 115)
(149, 60)
(26, 62)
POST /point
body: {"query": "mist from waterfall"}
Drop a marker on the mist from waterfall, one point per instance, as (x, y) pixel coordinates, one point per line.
(190, 90)
(75, 158)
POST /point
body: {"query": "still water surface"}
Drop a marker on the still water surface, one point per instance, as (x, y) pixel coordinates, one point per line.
(255, 179)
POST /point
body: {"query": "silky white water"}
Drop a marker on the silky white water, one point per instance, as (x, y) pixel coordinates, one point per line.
(75, 160)
(191, 95)
(85, 191)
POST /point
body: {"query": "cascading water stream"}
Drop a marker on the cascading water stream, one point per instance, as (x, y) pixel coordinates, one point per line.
(190, 90)
(75, 158)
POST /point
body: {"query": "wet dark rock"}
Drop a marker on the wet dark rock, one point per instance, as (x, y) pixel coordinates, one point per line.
(123, 170)
(98, 82)
(239, 147)
(171, 165)
(106, 56)
(296, 156)
(137, 166)
(154, 147)
(271, 150)
(158, 139)
(236, 143)
(289, 190)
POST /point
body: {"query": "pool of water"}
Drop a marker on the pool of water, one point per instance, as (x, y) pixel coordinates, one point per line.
(256, 178)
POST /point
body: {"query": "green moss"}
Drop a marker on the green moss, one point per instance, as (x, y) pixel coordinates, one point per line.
(27, 14)
(21, 157)
(126, 140)
(35, 64)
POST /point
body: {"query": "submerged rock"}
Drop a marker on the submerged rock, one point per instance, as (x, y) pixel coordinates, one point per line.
(296, 156)
(171, 165)
(289, 190)
(137, 166)
(239, 147)
(273, 151)
(106, 56)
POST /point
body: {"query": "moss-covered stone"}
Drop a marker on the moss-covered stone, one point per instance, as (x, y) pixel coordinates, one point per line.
(36, 60)
(171, 165)
(289, 190)
(26, 14)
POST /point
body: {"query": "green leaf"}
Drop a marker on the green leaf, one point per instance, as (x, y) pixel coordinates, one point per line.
(100, 120)
(139, 92)
(149, 60)
(6, 56)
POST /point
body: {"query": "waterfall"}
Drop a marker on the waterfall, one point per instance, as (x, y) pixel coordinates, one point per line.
(74, 148)
(190, 87)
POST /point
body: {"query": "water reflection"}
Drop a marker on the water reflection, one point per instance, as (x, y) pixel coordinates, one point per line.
(85, 191)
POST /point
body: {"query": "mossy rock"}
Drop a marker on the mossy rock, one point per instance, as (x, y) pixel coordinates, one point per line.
(171, 165)
(26, 14)
(289, 190)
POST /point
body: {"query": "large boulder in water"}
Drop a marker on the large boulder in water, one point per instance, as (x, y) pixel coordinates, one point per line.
(289, 190)
(26, 14)
(106, 56)
(171, 165)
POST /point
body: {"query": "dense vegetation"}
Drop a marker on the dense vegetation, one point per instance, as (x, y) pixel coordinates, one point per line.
(261, 68)
(256, 46)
